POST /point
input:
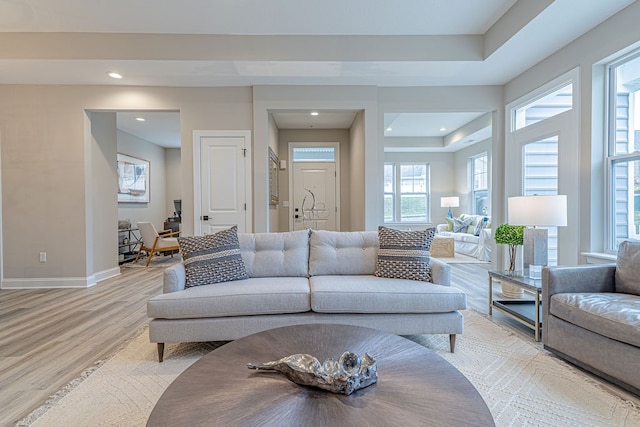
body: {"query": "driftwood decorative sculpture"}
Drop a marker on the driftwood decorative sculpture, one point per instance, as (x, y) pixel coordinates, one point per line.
(345, 375)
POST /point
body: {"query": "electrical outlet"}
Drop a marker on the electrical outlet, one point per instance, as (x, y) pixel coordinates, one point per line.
(43, 257)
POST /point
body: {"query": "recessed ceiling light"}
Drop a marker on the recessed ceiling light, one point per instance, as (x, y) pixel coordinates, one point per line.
(389, 129)
(443, 129)
(314, 113)
(140, 119)
(114, 75)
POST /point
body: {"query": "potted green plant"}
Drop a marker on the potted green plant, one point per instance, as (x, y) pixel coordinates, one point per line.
(512, 235)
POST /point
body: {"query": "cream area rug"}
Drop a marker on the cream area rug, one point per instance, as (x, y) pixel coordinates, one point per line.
(522, 384)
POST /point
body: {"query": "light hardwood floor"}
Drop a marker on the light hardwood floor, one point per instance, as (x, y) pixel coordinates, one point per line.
(48, 337)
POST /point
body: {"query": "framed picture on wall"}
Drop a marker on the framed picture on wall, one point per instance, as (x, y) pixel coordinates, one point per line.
(133, 179)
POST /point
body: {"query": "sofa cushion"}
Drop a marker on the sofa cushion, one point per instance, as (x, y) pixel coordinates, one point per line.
(247, 297)
(213, 258)
(628, 268)
(275, 254)
(404, 254)
(333, 252)
(613, 315)
(371, 294)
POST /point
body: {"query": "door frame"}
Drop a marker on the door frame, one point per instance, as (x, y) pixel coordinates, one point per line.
(197, 175)
(336, 147)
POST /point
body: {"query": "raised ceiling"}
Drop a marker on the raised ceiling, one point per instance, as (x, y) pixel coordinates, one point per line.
(200, 43)
(257, 42)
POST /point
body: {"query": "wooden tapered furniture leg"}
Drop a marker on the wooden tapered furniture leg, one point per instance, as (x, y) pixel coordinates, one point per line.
(160, 352)
(452, 342)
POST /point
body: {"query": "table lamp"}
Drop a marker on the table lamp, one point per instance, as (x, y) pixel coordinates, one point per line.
(449, 202)
(533, 211)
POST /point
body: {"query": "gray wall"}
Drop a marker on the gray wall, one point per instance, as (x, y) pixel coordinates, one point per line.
(156, 210)
(46, 162)
(341, 136)
(173, 178)
(102, 239)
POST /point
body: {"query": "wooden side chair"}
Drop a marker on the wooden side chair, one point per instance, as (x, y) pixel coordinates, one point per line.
(156, 242)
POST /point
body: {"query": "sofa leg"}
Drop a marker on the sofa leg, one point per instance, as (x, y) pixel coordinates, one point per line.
(160, 351)
(452, 342)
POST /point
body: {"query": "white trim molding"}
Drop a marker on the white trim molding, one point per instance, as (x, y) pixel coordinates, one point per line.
(59, 282)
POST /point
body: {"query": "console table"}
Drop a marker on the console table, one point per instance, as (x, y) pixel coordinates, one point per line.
(527, 312)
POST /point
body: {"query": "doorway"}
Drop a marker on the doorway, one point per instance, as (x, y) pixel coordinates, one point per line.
(314, 186)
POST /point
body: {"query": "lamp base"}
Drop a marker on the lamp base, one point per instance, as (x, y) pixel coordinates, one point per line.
(535, 247)
(449, 214)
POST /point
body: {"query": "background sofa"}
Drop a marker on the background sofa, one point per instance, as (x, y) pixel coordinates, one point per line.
(305, 277)
(591, 316)
(474, 239)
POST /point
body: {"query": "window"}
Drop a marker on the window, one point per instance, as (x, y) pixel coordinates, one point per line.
(480, 184)
(406, 192)
(551, 104)
(541, 178)
(314, 154)
(623, 161)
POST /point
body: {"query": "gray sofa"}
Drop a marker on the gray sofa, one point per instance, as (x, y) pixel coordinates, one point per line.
(305, 277)
(591, 316)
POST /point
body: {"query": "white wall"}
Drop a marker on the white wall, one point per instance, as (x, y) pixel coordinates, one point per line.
(618, 34)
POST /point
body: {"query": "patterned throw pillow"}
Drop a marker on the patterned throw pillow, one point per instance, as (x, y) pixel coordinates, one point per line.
(482, 224)
(461, 225)
(213, 258)
(404, 254)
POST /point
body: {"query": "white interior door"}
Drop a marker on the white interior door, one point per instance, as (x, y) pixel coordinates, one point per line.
(221, 197)
(314, 196)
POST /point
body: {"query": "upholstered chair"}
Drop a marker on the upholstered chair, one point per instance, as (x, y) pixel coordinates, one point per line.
(156, 242)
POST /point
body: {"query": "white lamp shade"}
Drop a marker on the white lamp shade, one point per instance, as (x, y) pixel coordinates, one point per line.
(449, 202)
(538, 210)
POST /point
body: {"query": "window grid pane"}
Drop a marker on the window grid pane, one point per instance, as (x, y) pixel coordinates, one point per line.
(541, 178)
(480, 185)
(552, 104)
(406, 192)
(624, 138)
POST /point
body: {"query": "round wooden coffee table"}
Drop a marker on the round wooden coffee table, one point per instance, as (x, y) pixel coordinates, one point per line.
(415, 386)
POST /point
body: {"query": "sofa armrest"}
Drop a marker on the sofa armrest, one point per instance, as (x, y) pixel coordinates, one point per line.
(442, 227)
(577, 279)
(583, 278)
(440, 272)
(174, 279)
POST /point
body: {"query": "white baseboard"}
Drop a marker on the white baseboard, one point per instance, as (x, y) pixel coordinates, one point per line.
(59, 282)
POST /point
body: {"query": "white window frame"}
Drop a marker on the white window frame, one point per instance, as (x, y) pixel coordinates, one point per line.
(566, 126)
(397, 194)
(611, 158)
(472, 178)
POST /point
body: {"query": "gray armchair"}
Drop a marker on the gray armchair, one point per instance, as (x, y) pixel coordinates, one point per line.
(591, 316)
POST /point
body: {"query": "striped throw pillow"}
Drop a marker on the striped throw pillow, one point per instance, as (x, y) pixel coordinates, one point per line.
(404, 254)
(213, 258)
